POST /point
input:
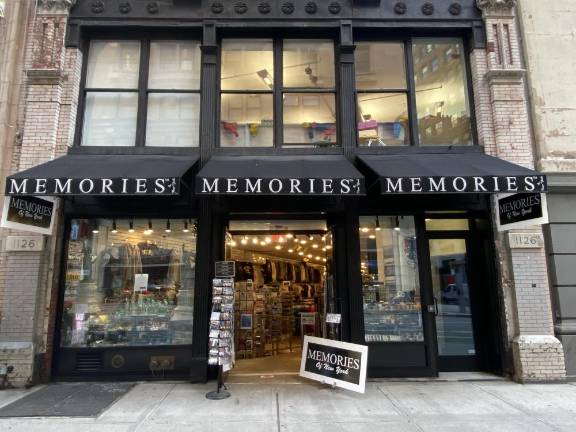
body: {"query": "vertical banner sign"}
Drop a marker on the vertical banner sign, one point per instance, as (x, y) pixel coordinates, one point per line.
(340, 364)
(521, 211)
(29, 213)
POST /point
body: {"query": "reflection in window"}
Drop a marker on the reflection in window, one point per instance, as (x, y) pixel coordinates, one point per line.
(380, 65)
(308, 64)
(173, 119)
(174, 65)
(110, 119)
(383, 119)
(441, 92)
(247, 65)
(391, 288)
(113, 64)
(129, 283)
(309, 118)
(246, 120)
(382, 94)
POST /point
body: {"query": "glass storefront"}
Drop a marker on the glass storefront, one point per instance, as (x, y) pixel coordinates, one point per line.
(390, 283)
(129, 283)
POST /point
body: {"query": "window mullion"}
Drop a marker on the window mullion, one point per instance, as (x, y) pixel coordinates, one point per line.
(143, 94)
(278, 101)
(412, 109)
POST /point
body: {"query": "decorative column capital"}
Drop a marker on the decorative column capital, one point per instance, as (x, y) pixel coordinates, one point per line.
(496, 7)
(54, 7)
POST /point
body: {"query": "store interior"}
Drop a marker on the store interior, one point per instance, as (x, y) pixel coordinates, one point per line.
(283, 290)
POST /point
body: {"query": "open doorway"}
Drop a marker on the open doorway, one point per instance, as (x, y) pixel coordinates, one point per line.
(283, 290)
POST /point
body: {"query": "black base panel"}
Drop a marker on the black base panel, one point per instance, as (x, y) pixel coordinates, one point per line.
(67, 400)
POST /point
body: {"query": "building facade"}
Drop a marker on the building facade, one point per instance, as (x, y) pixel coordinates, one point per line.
(347, 155)
(548, 43)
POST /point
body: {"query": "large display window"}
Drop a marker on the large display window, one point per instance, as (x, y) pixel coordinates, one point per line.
(390, 281)
(129, 283)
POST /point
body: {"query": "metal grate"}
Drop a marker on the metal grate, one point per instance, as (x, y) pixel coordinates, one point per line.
(86, 362)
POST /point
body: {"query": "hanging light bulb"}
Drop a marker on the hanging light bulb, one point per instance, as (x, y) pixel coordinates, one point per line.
(397, 227)
(244, 241)
(278, 247)
(372, 236)
(303, 242)
(262, 243)
(378, 224)
(289, 235)
(149, 230)
(365, 229)
(131, 226)
(311, 237)
(300, 253)
(291, 250)
(315, 246)
(114, 229)
(328, 246)
(268, 240)
(233, 243)
(255, 240)
(168, 229)
(185, 227)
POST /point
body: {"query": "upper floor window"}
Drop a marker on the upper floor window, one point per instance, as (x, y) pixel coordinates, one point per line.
(277, 92)
(142, 93)
(429, 108)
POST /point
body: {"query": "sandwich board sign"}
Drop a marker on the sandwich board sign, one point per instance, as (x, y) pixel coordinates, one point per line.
(340, 364)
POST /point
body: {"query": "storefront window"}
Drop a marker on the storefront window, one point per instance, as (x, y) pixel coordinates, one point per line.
(391, 288)
(382, 94)
(171, 95)
(441, 92)
(129, 283)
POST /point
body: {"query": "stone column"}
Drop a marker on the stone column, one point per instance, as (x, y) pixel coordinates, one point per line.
(504, 130)
(28, 280)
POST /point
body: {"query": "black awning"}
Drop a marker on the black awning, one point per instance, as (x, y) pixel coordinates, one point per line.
(279, 175)
(451, 173)
(103, 175)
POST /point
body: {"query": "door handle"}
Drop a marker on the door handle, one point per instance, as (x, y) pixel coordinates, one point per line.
(433, 308)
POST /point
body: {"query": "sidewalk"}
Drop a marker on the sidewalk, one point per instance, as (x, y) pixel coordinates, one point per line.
(388, 406)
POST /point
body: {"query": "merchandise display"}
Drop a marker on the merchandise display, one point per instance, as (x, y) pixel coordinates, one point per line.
(128, 287)
(221, 340)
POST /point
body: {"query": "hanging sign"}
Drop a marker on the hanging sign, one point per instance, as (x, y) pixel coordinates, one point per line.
(521, 211)
(29, 213)
(336, 363)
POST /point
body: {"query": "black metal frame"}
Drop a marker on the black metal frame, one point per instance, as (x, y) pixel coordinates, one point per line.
(142, 89)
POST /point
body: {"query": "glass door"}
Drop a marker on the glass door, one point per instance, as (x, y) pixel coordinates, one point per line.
(451, 288)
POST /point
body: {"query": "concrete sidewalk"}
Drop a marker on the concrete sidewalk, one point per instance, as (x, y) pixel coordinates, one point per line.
(387, 406)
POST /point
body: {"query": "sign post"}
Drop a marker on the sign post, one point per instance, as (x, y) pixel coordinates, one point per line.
(340, 364)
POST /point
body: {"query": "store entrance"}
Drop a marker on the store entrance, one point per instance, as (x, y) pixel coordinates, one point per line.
(283, 289)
